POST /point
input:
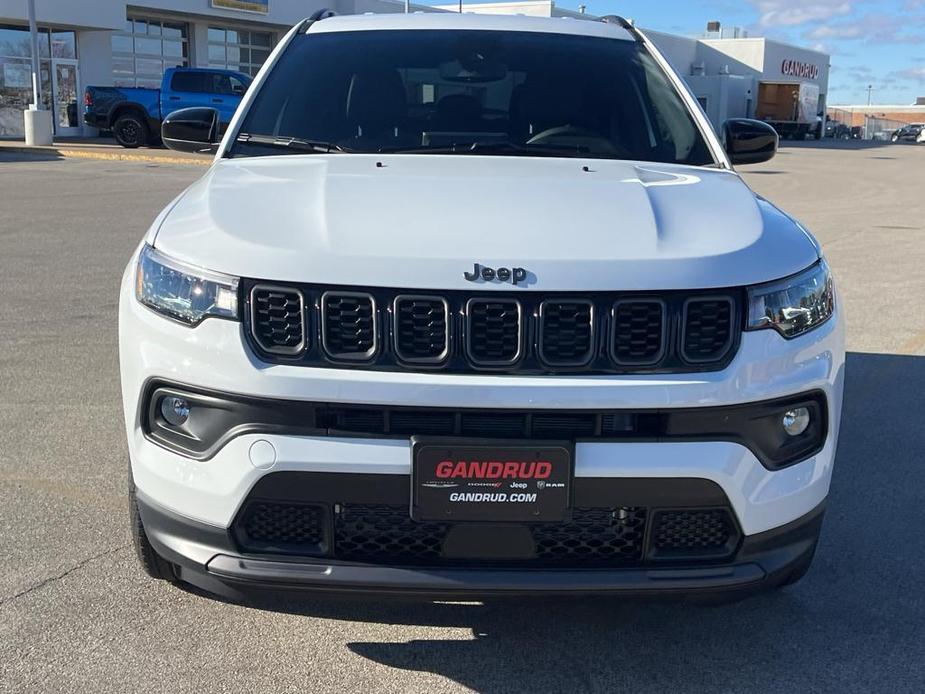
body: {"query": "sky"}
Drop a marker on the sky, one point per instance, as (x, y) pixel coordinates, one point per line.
(878, 43)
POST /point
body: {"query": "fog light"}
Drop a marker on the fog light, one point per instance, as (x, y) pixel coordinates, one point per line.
(175, 410)
(795, 421)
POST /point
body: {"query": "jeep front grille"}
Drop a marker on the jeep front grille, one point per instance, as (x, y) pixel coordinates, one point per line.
(494, 332)
(278, 319)
(708, 325)
(348, 326)
(420, 329)
(523, 332)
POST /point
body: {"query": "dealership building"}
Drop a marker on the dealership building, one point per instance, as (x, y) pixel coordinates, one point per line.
(117, 43)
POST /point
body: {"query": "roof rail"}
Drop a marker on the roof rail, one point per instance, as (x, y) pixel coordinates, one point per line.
(316, 16)
(625, 23)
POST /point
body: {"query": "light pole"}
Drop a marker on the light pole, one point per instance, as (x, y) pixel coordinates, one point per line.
(37, 122)
(36, 74)
(870, 88)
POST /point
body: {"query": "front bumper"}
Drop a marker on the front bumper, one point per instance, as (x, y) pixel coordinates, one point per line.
(191, 504)
(207, 557)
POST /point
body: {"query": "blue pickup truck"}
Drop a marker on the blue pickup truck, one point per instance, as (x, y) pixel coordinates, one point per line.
(134, 115)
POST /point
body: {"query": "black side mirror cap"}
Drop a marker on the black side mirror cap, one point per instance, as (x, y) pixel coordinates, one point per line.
(193, 130)
(749, 141)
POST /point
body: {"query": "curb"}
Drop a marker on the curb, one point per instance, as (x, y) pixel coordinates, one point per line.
(108, 156)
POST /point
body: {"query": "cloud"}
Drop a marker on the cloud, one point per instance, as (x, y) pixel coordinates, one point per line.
(871, 28)
(845, 31)
(790, 13)
(912, 74)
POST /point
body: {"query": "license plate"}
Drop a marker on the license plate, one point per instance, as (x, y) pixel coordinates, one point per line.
(487, 481)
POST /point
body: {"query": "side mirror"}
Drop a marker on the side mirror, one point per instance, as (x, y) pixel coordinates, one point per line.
(749, 141)
(191, 130)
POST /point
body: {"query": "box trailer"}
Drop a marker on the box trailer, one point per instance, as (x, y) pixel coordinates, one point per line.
(792, 108)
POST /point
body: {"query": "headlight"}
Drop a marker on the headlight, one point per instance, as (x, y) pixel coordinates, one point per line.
(794, 305)
(184, 293)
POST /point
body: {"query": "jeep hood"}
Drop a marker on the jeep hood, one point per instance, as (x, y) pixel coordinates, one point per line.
(420, 221)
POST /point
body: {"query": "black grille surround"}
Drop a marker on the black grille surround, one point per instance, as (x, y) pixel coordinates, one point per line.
(526, 332)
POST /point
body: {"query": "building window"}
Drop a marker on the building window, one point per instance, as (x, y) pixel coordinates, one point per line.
(145, 48)
(16, 76)
(234, 49)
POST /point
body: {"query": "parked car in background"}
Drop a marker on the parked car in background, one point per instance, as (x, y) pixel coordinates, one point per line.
(134, 114)
(837, 130)
(914, 132)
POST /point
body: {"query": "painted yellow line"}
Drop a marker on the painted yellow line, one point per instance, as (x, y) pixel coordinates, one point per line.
(914, 345)
(109, 155)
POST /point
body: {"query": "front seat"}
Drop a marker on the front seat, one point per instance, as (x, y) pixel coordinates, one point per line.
(377, 108)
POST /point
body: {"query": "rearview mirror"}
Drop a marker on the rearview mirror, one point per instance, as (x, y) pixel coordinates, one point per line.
(749, 141)
(191, 130)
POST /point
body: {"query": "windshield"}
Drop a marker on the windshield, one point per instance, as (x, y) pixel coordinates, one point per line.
(479, 92)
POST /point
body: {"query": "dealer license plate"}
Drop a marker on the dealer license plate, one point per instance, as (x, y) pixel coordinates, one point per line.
(488, 481)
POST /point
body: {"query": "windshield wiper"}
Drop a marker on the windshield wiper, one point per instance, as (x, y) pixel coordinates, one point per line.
(490, 147)
(296, 144)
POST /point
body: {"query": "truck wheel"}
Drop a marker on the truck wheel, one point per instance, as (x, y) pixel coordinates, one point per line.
(151, 562)
(130, 131)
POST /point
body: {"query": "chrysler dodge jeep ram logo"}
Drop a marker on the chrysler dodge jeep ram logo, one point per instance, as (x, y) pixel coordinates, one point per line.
(504, 274)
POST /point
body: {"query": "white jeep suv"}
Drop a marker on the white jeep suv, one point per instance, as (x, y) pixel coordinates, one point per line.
(474, 305)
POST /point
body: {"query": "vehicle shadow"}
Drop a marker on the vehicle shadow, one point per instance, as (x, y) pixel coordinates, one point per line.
(12, 156)
(831, 143)
(855, 623)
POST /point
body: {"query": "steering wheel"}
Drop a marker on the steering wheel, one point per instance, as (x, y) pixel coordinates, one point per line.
(580, 138)
(549, 135)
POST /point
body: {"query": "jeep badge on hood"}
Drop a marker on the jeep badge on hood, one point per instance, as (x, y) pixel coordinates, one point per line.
(503, 274)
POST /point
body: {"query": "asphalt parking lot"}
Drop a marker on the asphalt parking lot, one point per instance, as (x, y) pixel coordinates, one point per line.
(77, 615)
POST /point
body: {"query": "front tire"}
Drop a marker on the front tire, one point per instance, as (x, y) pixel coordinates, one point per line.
(130, 131)
(151, 562)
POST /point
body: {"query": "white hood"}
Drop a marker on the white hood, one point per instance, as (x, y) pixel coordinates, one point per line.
(421, 221)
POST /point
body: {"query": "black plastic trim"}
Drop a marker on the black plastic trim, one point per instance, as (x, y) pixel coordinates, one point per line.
(748, 424)
(592, 340)
(350, 357)
(734, 328)
(494, 363)
(612, 338)
(529, 362)
(431, 361)
(275, 349)
(205, 556)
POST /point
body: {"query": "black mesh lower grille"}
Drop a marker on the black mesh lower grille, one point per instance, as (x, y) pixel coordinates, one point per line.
(386, 534)
(693, 533)
(380, 533)
(707, 329)
(595, 536)
(285, 528)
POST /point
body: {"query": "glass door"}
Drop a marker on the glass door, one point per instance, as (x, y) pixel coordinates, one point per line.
(66, 98)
